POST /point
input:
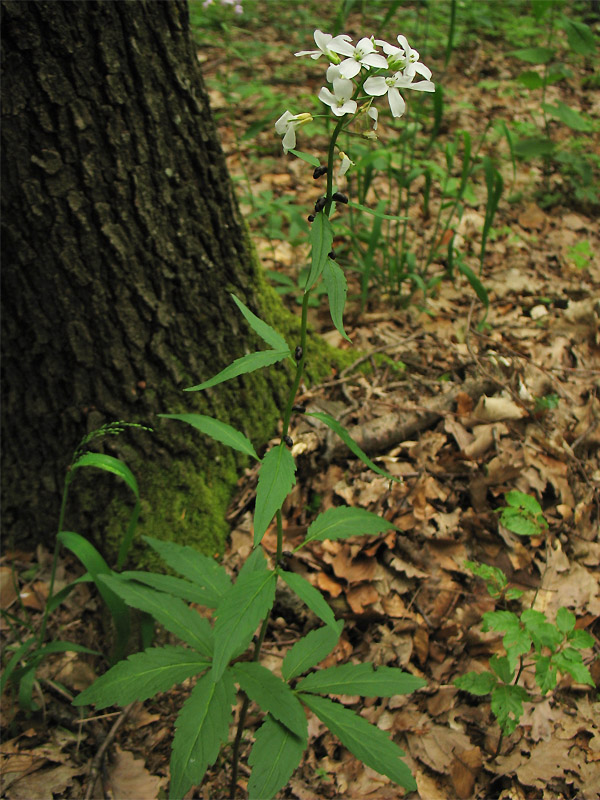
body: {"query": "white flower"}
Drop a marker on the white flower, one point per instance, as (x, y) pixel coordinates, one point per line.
(378, 85)
(333, 72)
(324, 41)
(403, 58)
(363, 55)
(345, 165)
(286, 126)
(339, 101)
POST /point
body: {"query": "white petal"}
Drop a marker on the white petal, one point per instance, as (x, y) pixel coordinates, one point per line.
(325, 96)
(343, 88)
(349, 107)
(421, 69)
(386, 46)
(311, 53)
(333, 72)
(365, 45)
(397, 104)
(375, 86)
(374, 114)
(349, 68)
(403, 42)
(341, 44)
(289, 140)
(375, 60)
(422, 86)
(322, 40)
(282, 123)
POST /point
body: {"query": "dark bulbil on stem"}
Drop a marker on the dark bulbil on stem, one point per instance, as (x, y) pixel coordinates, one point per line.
(298, 353)
(288, 440)
(319, 171)
(320, 204)
(339, 197)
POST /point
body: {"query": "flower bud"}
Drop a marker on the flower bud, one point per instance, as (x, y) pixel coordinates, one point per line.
(339, 197)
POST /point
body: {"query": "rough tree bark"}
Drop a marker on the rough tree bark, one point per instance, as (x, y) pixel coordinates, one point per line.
(122, 240)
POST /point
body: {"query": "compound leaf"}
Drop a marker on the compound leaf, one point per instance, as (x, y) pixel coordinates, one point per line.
(271, 694)
(142, 675)
(369, 744)
(217, 430)
(243, 365)
(239, 613)
(204, 572)
(310, 650)
(274, 756)
(275, 480)
(361, 679)
(171, 612)
(201, 727)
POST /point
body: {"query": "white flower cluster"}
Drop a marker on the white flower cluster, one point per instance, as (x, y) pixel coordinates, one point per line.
(363, 69)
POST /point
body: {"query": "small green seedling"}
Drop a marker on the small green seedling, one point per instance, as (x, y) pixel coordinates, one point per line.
(522, 515)
(529, 639)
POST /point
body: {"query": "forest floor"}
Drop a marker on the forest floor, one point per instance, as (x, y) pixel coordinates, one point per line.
(461, 405)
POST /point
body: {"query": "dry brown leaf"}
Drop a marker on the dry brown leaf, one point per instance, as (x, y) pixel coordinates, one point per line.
(130, 780)
(45, 783)
(327, 584)
(463, 771)
(496, 409)
(359, 597)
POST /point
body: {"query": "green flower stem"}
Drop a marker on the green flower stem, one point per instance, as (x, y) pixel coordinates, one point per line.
(336, 132)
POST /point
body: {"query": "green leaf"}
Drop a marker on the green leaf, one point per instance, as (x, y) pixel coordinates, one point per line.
(369, 744)
(275, 480)
(310, 650)
(21, 653)
(476, 284)
(243, 365)
(533, 147)
(217, 430)
(344, 521)
(374, 212)
(525, 501)
(311, 596)
(321, 239)
(109, 464)
(531, 80)
(274, 756)
(507, 705)
(570, 661)
(478, 683)
(543, 633)
(545, 673)
(266, 332)
(96, 566)
(171, 612)
(569, 116)
(581, 639)
(178, 587)
(201, 727)
(312, 160)
(494, 578)
(500, 621)
(335, 426)
(271, 694)
(239, 613)
(337, 288)
(516, 522)
(142, 676)
(204, 572)
(580, 37)
(361, 679)
(534, 55)
(503, 668)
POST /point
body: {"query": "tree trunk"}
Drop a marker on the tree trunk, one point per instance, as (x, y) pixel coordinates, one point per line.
(122, 241)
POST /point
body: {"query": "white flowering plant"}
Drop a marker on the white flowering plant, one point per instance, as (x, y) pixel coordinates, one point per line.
(222, 648)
